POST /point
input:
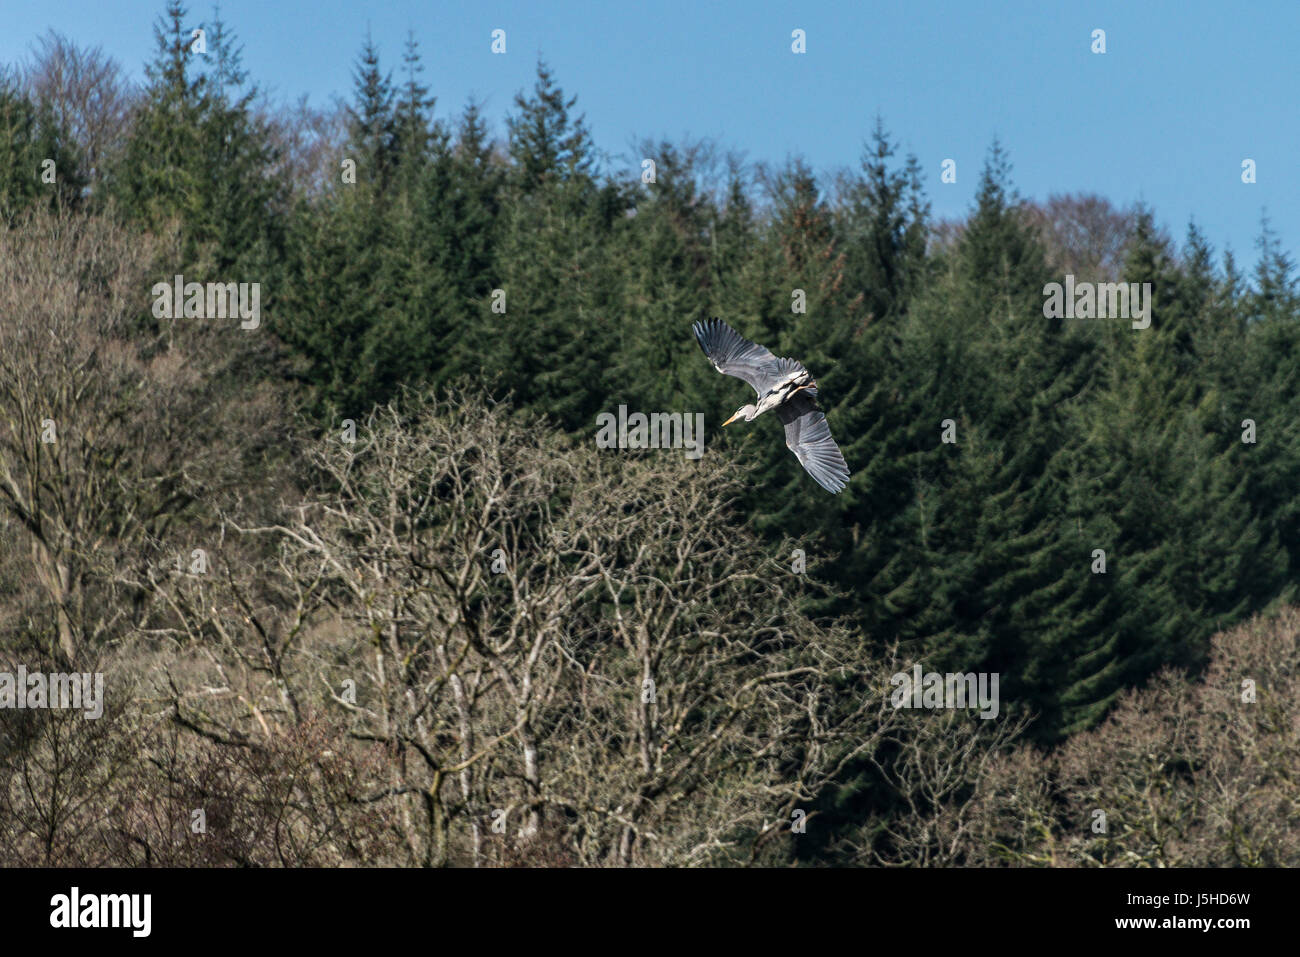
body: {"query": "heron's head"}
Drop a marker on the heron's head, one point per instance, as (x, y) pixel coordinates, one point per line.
(745, 412)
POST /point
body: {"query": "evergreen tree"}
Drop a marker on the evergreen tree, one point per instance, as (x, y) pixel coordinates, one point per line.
(197, 155)
(29, 139)
(551, 346)
(369, 302)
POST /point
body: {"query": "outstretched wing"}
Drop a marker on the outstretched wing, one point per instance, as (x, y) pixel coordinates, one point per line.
(809, 437)
(733, 354)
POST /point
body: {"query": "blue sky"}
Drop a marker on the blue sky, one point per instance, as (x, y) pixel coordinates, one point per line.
(1184, 93)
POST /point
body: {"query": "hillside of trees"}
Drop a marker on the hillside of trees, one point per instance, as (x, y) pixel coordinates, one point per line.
(365, 591)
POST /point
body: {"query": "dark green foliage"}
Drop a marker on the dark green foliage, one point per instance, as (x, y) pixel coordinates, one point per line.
(197, 155)
(367, 301)
(29, 137)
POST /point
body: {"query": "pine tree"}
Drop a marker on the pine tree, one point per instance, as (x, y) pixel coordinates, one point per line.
(666, 284)
(197, 155)
(29, 139)
(387, 268)
(344, 293)
(882, 225)
(1275, 293)
(550, 348)
(372, 128)
(460, 216)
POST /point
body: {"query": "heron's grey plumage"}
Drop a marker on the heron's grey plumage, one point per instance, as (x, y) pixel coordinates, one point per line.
(733, 354)
(808, 436)
(781, 384)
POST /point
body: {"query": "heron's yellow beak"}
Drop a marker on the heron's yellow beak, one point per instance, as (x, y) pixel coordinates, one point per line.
(732, 419)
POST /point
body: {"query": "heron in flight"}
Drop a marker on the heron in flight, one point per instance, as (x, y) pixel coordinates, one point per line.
(781, 384)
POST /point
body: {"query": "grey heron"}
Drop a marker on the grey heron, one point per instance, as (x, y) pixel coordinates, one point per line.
(784, 385)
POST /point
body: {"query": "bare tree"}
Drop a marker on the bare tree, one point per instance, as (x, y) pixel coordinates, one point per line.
(1184, 773)
(561, 654)
(1083, 235)
(74, 465)
(308, 143)
(87, 94)
(111, 430)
